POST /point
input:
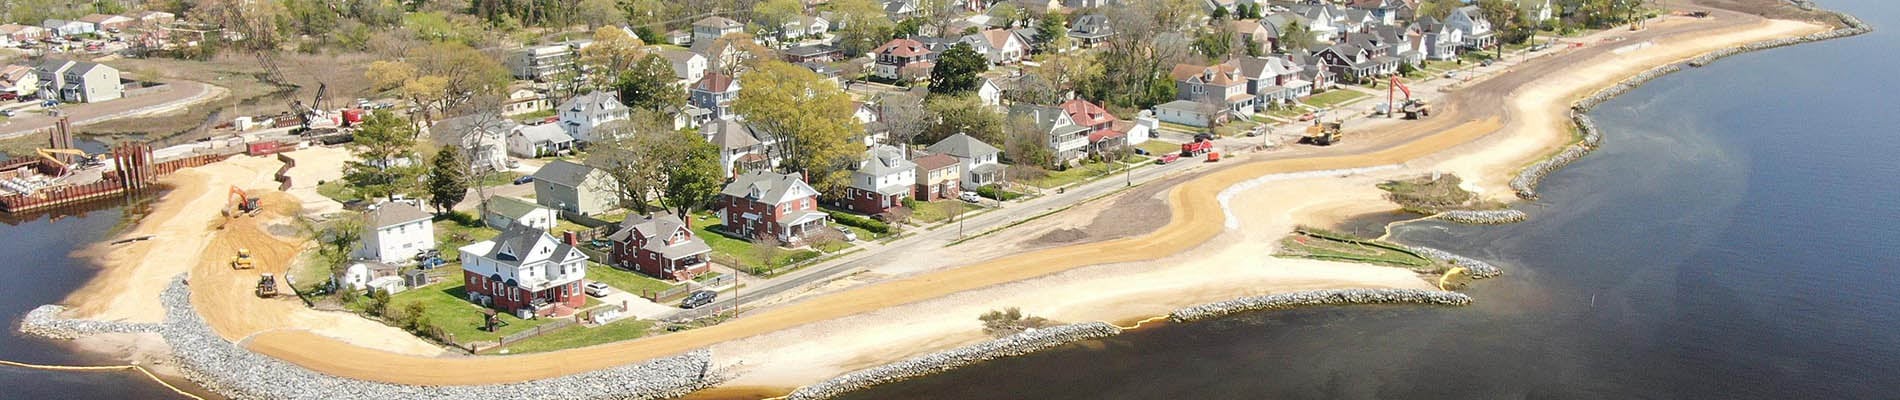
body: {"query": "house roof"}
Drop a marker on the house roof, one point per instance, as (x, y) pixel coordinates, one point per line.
(12, 74)
(1091, 26)
(1218, 75)
(1046, 117)
(593, 103)
(1182, 105)
(996, 38)
(100, 18)
(544, 133)
(395, 213)
(715, 82)
(662, 223)
(564, 173)
(963, 146)
(769, 187)
(730, 134)
(717, 22)
(678, 56)
(519, 240)
(510, 207)
(1085, 113)
(884, 160)
(810, 50)
(455, 131)
(902, 47)
(935, 162)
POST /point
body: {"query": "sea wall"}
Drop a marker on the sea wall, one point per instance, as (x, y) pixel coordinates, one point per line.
(1013, 345)
(238, 373)
(1318, 298)
(1483, 217)
(1525, 184)
(1477, 269)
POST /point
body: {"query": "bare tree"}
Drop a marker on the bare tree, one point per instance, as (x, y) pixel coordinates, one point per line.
(486, 127)
(903, 116)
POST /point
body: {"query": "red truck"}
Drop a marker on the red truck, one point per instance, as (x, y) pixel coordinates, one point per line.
(1196, 148)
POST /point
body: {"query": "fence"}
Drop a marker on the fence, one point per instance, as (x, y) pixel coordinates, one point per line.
(538, 330)
(675, 293)
(283, 174)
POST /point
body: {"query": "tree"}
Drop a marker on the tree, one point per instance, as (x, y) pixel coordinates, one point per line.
(649, 85)
(1027, 143)
(958, 70)
(1298, 36)
(765, 248)
(1215, 43)
(865, 26)
(772, 15)
(634, 156)
(1052, 31)
(613, 50)
(903, 116)
(600, 13)
(1144, 48)
(962, 114)
(448, 180)
(811, 117)
(337, 239)
(1007, 14)
(735, 53)
(1218, 13)
(384, 146)
(1437, 9)
(908, 28)
(694, 178)
(1010, 321)
(439, 77)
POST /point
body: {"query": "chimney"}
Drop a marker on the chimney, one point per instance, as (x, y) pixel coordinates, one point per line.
(570, 239)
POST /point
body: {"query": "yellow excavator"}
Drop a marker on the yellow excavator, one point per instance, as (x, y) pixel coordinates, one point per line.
(52, 154)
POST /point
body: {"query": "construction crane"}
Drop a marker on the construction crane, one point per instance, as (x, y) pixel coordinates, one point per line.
(315, 114)
(53, 154)
(1413, 108)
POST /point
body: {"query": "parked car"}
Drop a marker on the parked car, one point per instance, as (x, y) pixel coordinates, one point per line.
(8, 113)
(524, 179)
(970, 197)
(9, 96)
(598, 289)
(698, 299)
(849, 236)
(1486, 63)
(1168, 159)
(1308, 117)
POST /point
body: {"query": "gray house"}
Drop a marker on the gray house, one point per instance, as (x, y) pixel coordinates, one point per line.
(569, 187)
(78, 82)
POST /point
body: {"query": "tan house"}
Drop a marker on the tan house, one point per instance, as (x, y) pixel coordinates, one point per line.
(19, 80)
(105, 22)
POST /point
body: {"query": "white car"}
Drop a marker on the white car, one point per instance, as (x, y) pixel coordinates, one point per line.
(849, 236)
(598, 289)
(970, 197)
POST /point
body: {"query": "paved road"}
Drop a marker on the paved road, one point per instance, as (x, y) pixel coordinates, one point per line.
(181, 94)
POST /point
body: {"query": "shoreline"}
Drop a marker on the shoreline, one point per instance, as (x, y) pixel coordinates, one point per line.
(1172, 232)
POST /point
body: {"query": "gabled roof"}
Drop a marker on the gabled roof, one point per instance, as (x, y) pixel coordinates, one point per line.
(1217, 75)
(715, 82)
(963, 146)
(458, 131)
(935, 162)
(519, 240)
(510, 207)
(1085, 113)
(1091, 26)
(549, 133)
(718, 22)
(730, 134)
(769, 187)
(884, 160)
(592, 103)
(994, 38)
(679, 56)
(100, 18)
(395, 213)
(663, 223)
(1047, 118)
(902, 47)
(564, 173)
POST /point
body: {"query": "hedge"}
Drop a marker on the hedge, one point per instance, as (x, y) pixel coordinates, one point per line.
(861, 222)
(997, 193)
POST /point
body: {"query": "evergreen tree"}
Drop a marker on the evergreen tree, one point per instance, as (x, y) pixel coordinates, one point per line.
(448, 180)
(958, 70)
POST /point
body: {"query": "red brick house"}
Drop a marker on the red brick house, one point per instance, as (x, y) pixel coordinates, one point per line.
(880, 181)
(937, 177)
(525, 272)
(762, 204)
(660, 245)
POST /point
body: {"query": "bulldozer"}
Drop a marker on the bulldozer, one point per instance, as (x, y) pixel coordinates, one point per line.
(266, 285)
(242, 260)
(1322, 134)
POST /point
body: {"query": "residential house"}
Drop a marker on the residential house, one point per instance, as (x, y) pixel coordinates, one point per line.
(937, 177)
(1317, 19)
(978, 161)
(826, 71)
(540, 140)
(1190, 113)
(766, 204)
(107, 22)
(1090, 30)
(16, 33)
(740, 147)
(989, 93)
(998, 46)
(526, 100)
(581, 114)
(899, 10)
(154, 18)
(715, 27)
(1401, 42)
(1252, 32)
(568, 187)
(19, 80)
(1537, 11)
(78, 81)
(1387, 12)
(1354, 62)
(807, 26)
(1101, 134)
(901, 58)
(812, 53)
(880, 181)
(1079, 4)
(1472, 27)
(1226, 6)
(525, 272)
(1314, 69)
(395, 232)
(660, 245)
(68, 28)
(1065, 139)
(541, 62)
(1273, 79)
(1221, 85)
(716, 93)
(503, 211)
(482, 138)
(688, 67)
(1136, 132)
(1038, 7)
(368, 274)
(1437, 41)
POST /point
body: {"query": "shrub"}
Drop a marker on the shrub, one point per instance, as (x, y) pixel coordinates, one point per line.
(997, 193)
(463, 218)
(1010, 321)
(861, 222)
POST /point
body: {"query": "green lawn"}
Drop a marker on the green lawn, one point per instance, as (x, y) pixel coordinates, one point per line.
(451, 235)
(499, 178)
(941, 210)
(624, 280)
(338, 190)
(1159, 147)
(447, 307)
(582, 336)
(1181, 128)
(1082, 173)
(535, 116)
(562, 225)
(1334, 98)
(725, 247)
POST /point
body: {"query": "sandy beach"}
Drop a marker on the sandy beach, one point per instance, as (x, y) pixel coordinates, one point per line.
(1196, 257)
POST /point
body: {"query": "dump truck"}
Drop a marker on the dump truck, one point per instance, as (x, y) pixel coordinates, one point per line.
(1415, 109)
(1322, 134)
(266, 285)
(242, 260)
(1196, 147)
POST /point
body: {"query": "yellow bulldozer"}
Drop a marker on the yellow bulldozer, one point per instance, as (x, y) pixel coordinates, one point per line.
(242, 260)
(1322, 134)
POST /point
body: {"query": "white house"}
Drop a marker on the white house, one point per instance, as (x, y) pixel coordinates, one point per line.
(480, 136)
(713, 28)
(68, 28)
(977, 160)
(998, 46)
(581, 114)
(1470, 23)
(989, 93)
(503, 211)
(531, 141)
(1538, 11)
(395, 232)
(1186, 112)
(525, 100)
(366, 274)
(688, 67)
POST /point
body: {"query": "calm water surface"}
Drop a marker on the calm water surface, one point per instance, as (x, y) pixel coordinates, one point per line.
(1734, 239)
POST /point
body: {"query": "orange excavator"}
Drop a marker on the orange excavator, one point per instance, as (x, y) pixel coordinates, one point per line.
(1413, 108)
(239, 203)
